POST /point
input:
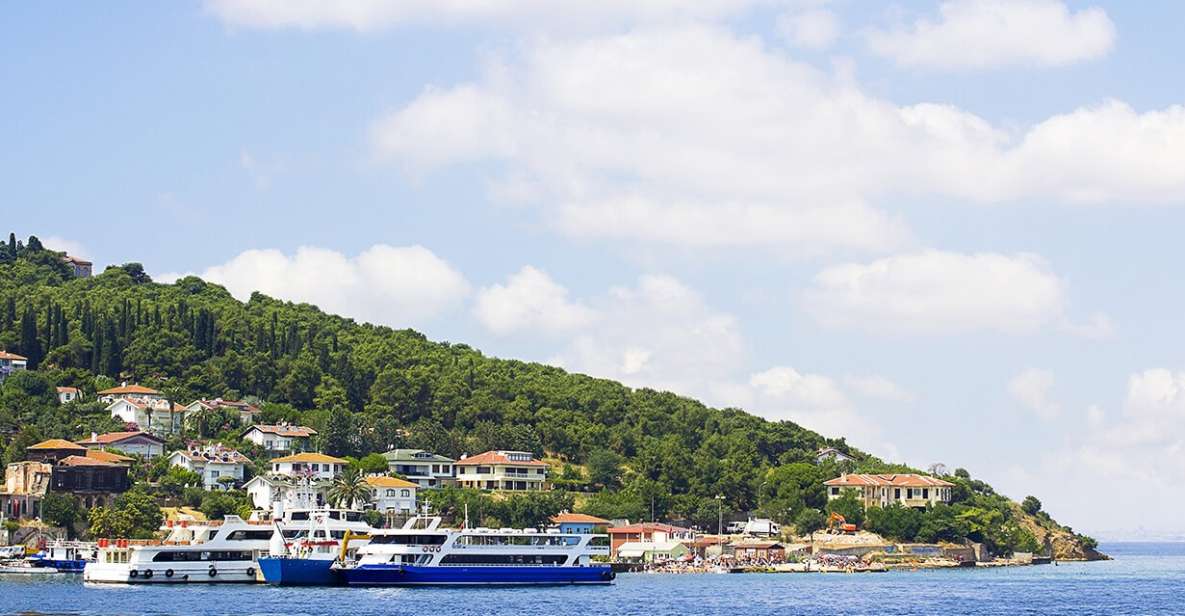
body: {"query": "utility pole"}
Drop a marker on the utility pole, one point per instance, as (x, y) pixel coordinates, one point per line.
(720, 519)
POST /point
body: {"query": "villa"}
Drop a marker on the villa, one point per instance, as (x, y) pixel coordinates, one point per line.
(135, 442)
(311, 465)
(11, 362)
(214, 463)
(502, 470)
(147, 413)
(424, 468)
(280, 438)
(392, 495)
(907, 489)
(134, 391)
(246, 412)
(647, 533)
(66, 395)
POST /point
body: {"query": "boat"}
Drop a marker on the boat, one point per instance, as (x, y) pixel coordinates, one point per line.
(208, 552)
(65, 556)
(307, 558)
(421, 553)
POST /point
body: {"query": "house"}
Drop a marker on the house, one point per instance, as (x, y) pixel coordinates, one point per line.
(214, 463)
(25, 484)
(833, 454)
(282, 438)
(11, 362)
(110, 456)
(392, 495)
(53, 450)
(908, 489)
(579, 523)
(765, 551)
(277, 493)
(153, 413)
(66, 395)
(647, 532)
(502, 470)
(246, 412)
(134, 391)
(311, 465)
(81, 268)
(96, 482)
(134, 442)
(652, 551)
(424, 468)
(707, 546)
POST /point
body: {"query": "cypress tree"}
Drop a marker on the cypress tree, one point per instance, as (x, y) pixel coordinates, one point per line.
(30, 345)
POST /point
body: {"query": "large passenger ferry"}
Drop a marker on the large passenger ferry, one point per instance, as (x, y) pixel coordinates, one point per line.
(226, 551)
(422, 553)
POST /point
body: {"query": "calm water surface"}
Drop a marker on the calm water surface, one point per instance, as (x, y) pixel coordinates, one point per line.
(1144, 579)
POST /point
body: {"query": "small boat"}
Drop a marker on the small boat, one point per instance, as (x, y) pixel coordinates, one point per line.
(423, 554)
(65, 556)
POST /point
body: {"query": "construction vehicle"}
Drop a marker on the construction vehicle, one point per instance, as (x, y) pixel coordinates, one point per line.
(838, 525)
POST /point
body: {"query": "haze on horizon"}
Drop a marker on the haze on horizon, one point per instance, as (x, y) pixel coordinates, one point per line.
(946, 230)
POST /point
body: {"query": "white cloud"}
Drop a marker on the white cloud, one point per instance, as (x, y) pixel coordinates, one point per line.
(693, 136)
(879, 388)
(814, 29)
(367, 15)
(390, 285)
(981, 34)
(1032, 388)
(937, 292)
(70, 247)
(530, 299)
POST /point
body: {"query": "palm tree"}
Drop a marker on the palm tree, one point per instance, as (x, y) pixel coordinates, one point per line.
(348, 489)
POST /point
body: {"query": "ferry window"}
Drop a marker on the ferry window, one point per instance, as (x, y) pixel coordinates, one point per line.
(300, 515)
(227, 555)
(248, 535)
(353, 516)
(504, 559)
(181, 556)
(408, 539)
(599, 542)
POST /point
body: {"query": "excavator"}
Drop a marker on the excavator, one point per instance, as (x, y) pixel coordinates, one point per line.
(837, 525)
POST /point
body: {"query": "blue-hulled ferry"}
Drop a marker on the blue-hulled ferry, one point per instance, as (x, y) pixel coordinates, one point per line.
(423, 554)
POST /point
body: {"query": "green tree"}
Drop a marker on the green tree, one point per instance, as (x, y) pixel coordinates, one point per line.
(338, 437)
(1031, 505)
(217, 505)
(809, 520)
(61, 509)
(895, 521)
(604, 469)
(372, 464)
(349, 489)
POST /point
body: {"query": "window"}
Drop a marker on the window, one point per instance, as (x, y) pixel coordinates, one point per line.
(408, 539)
(835, 491)
(391, 493)
(483, 470)
(896, 493)
(249, 535)
(926, 493)
(405, 493)
(504, 559)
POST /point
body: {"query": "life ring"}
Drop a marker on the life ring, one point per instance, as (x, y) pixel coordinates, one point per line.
(250, 571)
(148, 574)
(133, 574)
(168, 573)
(213, 572)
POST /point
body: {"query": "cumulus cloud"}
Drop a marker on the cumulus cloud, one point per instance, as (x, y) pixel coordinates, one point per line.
(530, 299)
(1032, 388)
(693, 136)
(815, 28)
(983, 34)
(936, 292)
(878, 387)
(367, 15)
(390, 285)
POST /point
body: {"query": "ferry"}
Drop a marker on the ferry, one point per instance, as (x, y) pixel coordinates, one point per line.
(208, 552)
(306, 556)
(423, 554)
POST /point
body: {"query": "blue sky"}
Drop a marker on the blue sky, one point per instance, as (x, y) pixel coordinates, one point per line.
(947, 230)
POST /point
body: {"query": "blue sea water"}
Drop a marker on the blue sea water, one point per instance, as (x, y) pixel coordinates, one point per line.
(1144, 578)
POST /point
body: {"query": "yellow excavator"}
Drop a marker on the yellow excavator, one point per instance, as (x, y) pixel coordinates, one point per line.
(837, 525)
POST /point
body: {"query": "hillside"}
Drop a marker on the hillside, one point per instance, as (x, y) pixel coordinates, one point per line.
(368, 388)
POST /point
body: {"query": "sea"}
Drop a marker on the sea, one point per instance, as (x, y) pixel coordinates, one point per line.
(1143, 578)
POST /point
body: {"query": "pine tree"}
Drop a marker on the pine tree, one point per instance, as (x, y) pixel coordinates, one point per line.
(30, 345)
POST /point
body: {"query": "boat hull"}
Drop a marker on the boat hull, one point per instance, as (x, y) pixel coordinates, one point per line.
(299, 571)
(411, 575)
(170, 573)
(64, 566)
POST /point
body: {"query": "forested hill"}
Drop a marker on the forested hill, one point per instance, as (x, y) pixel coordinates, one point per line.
(368, 389)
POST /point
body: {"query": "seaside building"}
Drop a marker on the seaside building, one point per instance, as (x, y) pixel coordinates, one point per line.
(502, 470)
(392, 495)
(94, 476)
(214, 463)
(66, 395)
(280, 438)
(647, 532)
(767, 551)
(309, 465)
(276, 494)
(246, 412)
(907, 489)
(135, 442)
(11, 362)
(424, 468)
(651, 551)
(579, 523)
(25, 484)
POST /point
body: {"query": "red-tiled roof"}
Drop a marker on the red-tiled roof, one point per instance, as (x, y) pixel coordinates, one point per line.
(67, 390)
(289, 431)
(14, 356)
(129, 389)
(648, 527)
(83, 461)
(76, 260)
(107, 456)
(888, 480)
(117, 437)
(577, 518)
(495, 457)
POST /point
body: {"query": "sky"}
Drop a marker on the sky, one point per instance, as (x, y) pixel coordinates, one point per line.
(946, 230)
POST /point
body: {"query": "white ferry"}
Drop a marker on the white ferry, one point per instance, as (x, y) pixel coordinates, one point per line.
(422, 553)
(226, 551)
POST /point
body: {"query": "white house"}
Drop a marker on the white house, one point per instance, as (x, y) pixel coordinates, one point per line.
(280, 438)
(246, 412)
(212, 462)
(66, 395)
(11, 362)
(311, 465)
(276, 494)
(502, 470)
(392, 495)
(136, 442)
(155, 414)
(132, 391)
(831, 453)
(424, 468)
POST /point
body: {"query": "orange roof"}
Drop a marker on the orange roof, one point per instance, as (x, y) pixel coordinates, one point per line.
(577, 518)
(67, 390)
(116, 437)
(107, 456)
(888, 480)
(56, 443)
(129, 389)
(7, 355)
(383, 481)
(83, 461)
(310, 457)
(648, 527)
(496, 457)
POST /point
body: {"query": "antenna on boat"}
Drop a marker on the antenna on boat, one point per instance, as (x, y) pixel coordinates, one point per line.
(466, 526)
